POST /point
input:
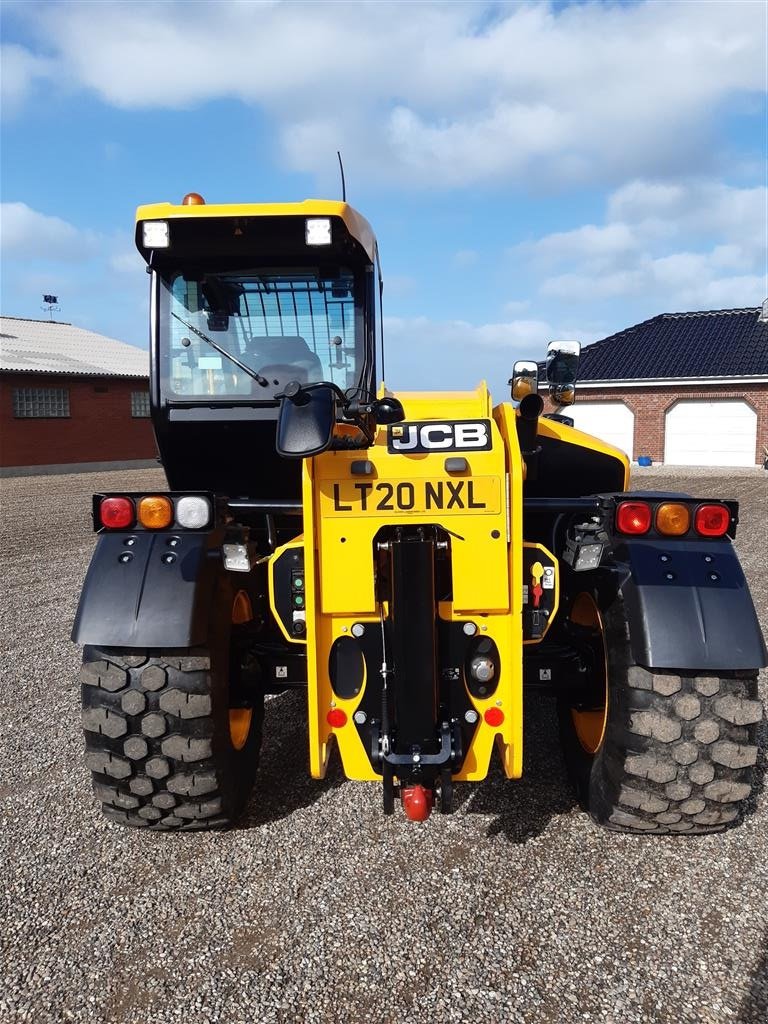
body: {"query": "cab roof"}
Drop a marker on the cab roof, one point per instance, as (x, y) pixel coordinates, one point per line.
(357, 226)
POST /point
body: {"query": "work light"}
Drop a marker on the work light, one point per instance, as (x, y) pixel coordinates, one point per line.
(318, 231)
(155, 234)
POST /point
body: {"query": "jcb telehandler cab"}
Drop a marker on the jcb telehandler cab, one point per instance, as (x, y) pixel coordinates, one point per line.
(415, 562)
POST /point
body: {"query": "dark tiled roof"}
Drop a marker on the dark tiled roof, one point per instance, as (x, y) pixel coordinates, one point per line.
(719, 343)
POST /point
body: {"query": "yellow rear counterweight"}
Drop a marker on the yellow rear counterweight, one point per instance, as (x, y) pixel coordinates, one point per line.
(473, 498)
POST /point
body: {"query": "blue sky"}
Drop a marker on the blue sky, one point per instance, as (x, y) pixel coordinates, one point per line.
(532, 170)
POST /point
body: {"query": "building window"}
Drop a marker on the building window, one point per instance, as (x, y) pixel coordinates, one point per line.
(139, 403)
(41, 403)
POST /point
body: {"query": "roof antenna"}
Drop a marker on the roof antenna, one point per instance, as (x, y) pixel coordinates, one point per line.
(343, 183)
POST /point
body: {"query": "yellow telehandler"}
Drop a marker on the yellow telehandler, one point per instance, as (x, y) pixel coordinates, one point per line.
(415, 561)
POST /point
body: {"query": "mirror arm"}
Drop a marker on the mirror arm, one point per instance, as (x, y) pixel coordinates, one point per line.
(296, 393)
(293, 391)
(358, 420)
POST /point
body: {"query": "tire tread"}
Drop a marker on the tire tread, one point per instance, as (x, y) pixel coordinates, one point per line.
(149, 735)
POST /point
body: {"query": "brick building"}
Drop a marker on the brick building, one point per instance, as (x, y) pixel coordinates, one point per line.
(682, 388)
(70, 399)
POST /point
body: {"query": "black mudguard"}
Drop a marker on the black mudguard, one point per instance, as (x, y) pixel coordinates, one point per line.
(689, 606)
(159, 596)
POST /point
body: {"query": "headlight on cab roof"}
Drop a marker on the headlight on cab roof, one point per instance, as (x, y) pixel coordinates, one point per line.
(155, 234)
(318, 231)
(193, 513)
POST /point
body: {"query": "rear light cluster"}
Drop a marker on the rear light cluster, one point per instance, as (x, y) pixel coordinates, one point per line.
(152, 512)
(672, 518)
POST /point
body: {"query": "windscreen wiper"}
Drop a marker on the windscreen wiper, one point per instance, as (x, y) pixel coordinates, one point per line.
(222, 351)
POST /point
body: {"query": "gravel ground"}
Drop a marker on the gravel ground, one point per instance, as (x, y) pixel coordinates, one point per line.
(319, 908)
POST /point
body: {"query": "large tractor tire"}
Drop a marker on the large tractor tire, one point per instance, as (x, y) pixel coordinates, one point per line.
(173, 736)
(657, 752)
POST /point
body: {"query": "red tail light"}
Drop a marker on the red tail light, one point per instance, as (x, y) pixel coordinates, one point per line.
(117, 513)
(633, 517)
(712, 520)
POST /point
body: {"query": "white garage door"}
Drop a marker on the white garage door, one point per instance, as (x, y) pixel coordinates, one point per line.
(613, 422)
(701, 433)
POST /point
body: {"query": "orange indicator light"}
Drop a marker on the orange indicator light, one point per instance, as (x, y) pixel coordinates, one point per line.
(155, 512)
(673, 519)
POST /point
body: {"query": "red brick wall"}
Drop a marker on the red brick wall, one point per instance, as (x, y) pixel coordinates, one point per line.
(100, 427)
(650, 405)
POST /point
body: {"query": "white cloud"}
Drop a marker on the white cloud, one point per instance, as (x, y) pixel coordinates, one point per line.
(445, 96)
(684, 281)
(700, 208)
(646, 248)
(29, 237)
(21, 71)
(28, 234)
(575, 287)
(455, 354)
(590, 242)
(418, 330)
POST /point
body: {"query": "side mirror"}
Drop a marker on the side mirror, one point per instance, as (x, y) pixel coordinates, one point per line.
(388, 410)
(306, 420)
(562, 394)
(563, 362)
(524, 380)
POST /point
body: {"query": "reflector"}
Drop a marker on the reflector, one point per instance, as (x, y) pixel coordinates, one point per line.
(336, 718)
(673, 519)
(116, 513)
(633, 517)
(155, 512)
(494, 716)
(712, 520)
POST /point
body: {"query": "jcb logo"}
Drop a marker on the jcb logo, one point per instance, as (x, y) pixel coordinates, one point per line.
(461, 435)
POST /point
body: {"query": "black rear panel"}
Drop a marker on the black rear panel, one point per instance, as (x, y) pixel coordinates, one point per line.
(234, 458)
(569, 470)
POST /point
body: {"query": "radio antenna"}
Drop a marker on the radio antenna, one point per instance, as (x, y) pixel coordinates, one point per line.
(343, 183)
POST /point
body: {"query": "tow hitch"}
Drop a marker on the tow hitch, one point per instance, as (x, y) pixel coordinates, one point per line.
(417, 802)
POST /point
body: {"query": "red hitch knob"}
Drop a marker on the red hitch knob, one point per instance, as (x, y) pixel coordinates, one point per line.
(417, 802)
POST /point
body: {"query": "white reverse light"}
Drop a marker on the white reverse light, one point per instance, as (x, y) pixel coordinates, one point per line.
(156, 235)
(318, 231)
(193, 513)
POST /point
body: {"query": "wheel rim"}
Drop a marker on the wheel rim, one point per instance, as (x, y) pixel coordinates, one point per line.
(589, 724)
(240, 718)
(239, 726)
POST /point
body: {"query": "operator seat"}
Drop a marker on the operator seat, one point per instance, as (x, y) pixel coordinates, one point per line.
(283, 358)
